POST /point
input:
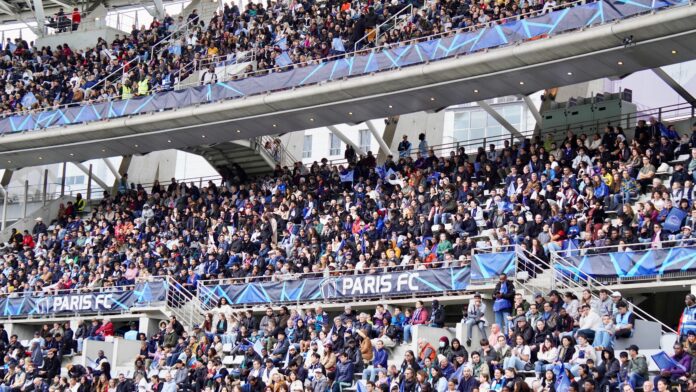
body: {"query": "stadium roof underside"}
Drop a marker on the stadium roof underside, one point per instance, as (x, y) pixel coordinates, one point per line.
(659, 39)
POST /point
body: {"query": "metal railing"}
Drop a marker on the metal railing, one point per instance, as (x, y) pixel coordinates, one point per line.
(561, 258)
(579, 282)
(378, 30)
(183, 304)
(280, 153)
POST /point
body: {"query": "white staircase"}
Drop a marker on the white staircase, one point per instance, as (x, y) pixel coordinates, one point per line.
(650, 333)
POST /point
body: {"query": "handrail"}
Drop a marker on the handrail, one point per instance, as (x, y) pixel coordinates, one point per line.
(636, 247)
(658, 112)
(121, 69)
(589, 283)
(300, 275)
(378, 29)
(47, 291)
(178, 30)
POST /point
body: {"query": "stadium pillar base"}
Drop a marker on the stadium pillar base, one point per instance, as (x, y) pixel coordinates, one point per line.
(148, 325)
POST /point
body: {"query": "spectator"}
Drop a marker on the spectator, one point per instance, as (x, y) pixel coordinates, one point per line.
(404, 147)
(637, 367)
(420, 317)
(504, 292)
(625, 321)
(475, 316)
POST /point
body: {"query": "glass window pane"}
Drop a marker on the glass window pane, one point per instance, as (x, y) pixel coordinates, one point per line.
(461, 121)
(478, 119)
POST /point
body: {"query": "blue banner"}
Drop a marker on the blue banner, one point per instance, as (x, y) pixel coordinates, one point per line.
(631, 264)
(490, 265)
(564, 20)
(107, 301)
(310, 289)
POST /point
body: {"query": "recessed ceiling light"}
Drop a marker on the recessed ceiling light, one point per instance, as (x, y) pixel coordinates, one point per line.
(169, 141)
(274, 125)
(674, 52)
(103, 150)
(475, 91)
(136, 146)
(72, 155)
(620, 63)
(570, 73)
(203, 136)
(432, 98)
(311, 119)
(390, 106)
(9, 161)
(40, 158)
(350, 113)
(521, 83)
(238, 131)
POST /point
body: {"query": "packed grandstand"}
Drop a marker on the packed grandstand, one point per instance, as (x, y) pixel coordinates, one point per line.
(421, 271)
(270, 38)
(416, 212)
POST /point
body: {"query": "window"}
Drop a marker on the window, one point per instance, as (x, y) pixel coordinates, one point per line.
(307, 146)
(335, 147)
(471, 126)
(365, 140)
(72, 180)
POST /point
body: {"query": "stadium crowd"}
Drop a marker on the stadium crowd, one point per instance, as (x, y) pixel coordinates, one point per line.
(274, 36)
(415, 211)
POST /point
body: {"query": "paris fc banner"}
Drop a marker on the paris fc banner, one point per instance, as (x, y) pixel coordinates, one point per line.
(311, 289)
(112, 300)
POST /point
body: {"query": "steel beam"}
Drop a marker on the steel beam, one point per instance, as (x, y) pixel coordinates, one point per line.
(383, 146)
(96, 179)
(502, 121)
(678, 88)
(346, 139)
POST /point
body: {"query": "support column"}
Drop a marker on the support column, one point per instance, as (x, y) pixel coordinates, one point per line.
(112, 169)
(85, 170)
(388, 136)
(533, 110)
(6, 177)
(159, 9)
(5, 196)
(346, 139)
(89, 184)
(62, 180)
(502, 121)
(45, 186)
(674, 85)
(122, 169)
(39, 14)
(383, 147)
(26, 199)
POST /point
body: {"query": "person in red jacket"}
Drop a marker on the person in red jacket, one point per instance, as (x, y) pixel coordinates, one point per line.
(106, 329)
(420, 316)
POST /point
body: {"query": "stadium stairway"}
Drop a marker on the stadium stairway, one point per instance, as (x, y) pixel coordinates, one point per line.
(47, 212)
(229, 158)
(651, 335)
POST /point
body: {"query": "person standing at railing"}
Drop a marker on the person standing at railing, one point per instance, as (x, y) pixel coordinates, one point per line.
(503, 293)
(76, 18)
(404, 147)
